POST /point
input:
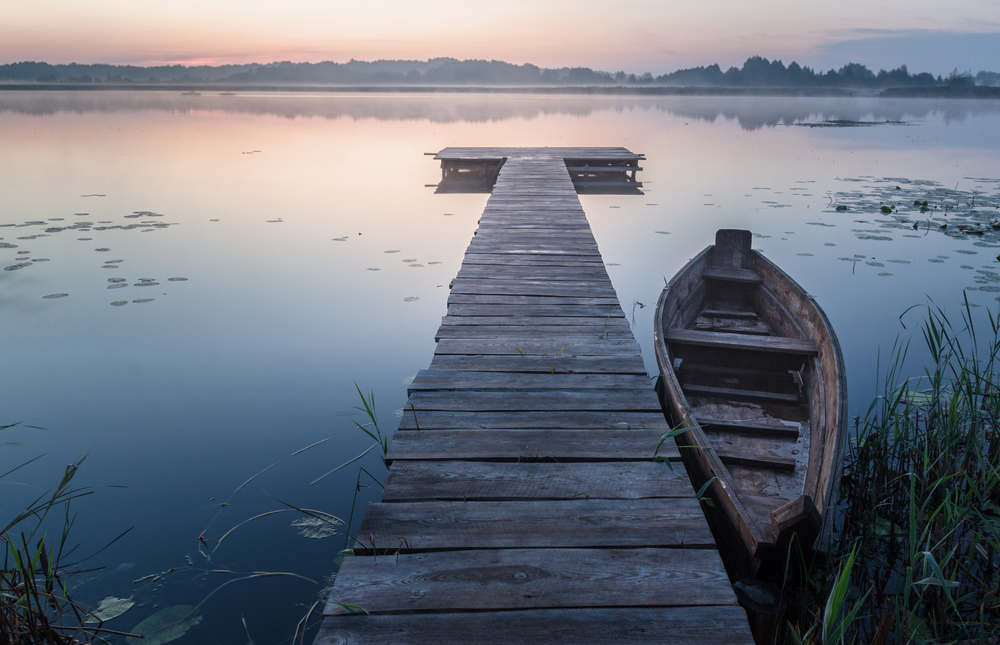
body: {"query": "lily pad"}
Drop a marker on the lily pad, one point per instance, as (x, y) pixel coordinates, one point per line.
(109, 608)
(141, 300)
(118, 285)
(55, 295)
(411, 298)
(117, 280)
(165, 626)
(119, 303)
(176, 279)
(392, 251)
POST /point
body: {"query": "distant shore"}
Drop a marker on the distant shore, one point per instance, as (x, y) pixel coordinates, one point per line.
(963, 92)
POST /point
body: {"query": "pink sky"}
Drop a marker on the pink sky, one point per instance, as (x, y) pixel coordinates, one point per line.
(637, 36)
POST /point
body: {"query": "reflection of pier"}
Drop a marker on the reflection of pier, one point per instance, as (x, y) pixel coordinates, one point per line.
(523, 503)
(592, 170)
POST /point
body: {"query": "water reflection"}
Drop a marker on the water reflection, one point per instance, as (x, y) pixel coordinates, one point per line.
(751, 113)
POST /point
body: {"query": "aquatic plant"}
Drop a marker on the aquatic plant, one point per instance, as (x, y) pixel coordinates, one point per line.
(916, 557)
(36, 606)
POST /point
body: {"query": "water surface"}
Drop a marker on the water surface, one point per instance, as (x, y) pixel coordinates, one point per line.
(315, 257)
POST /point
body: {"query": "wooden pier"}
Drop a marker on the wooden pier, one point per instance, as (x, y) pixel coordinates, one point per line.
(523, 503)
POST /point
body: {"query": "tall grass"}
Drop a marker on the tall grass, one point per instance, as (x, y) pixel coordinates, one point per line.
(35, 591)
(916, 557)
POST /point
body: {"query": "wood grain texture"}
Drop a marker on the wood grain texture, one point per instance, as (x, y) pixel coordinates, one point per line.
(477, 481)
(596, 523)
(618, 444)
(544, 400)
(531, 579)
(776, 344)
(589, 419)
(551, 363)
(725, 625)
(452, 380)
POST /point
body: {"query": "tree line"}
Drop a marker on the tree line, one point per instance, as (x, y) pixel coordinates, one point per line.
(755, 72)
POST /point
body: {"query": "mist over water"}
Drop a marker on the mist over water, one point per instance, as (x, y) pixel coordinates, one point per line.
(443, 107)
(316, 257)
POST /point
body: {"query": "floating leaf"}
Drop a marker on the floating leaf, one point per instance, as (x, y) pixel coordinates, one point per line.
(119, 303)
(317, 528)
(165, 626)
(109, 608)
(176, 279)
(411, 298)
(55, 295)
(140, 300)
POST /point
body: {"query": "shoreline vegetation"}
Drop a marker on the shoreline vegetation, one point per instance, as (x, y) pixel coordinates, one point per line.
(915, 556)
(757, 77)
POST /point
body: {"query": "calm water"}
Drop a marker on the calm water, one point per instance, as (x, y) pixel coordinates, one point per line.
(304, 229)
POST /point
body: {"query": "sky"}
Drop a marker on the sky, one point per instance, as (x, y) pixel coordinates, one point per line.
(632, 35)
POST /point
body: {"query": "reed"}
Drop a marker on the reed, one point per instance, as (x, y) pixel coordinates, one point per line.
(36, 606)
(916, 554)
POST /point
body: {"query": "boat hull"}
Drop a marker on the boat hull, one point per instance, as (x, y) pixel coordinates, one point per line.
(751, 370)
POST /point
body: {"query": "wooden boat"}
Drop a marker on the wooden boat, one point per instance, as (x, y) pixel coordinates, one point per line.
(750, 366)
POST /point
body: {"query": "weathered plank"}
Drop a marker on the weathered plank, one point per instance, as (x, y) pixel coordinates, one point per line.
(532, 301)
(538, 347)
(615, 444)
(418, 419)
(533, 332)
(532, 312)
(725, 625)
(551, 400)
(552, 364)
(477, 481)
(594, 323)
(452, 380)
(532, 579)
(408, 527)
(777, 344)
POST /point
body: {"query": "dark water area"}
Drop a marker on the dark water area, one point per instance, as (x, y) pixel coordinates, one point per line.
(233, 265)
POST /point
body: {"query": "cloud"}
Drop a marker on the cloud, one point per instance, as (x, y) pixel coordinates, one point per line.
(921, 50)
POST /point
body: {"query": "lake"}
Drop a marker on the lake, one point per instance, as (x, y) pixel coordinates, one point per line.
(236, 266)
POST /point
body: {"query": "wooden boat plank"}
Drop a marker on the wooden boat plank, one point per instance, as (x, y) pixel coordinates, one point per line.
(532, 579)
(590, 626)
(408, 527)
(455, 380)
(749, 427)
(732, 274)
(514, 420)
(756, 459)
(777, 344)
(616, 444)
(739, 394)
(479, 481)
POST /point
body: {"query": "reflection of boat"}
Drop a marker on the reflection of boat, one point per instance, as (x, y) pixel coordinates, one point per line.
(751, 367)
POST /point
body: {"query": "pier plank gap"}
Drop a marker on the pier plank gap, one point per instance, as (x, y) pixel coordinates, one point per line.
(523, 503)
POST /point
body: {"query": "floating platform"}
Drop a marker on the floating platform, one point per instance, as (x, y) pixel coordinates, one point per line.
(523, 502)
